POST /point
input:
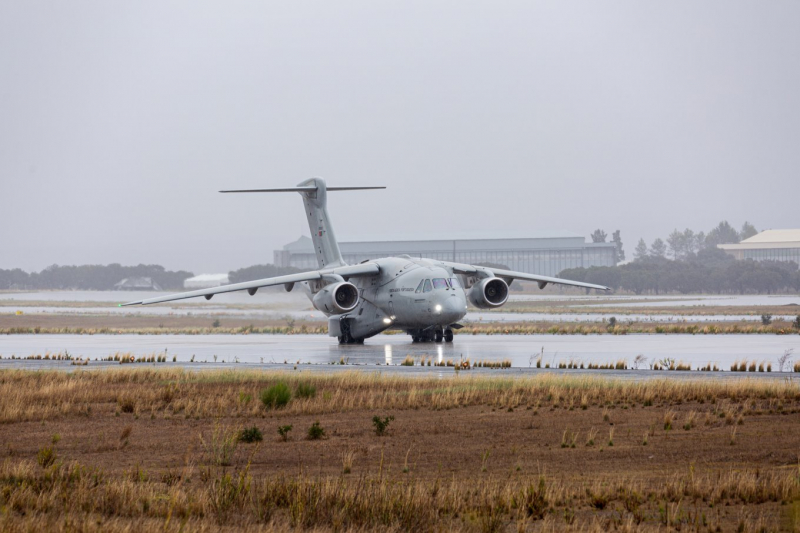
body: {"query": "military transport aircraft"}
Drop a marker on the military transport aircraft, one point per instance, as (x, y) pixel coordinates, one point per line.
(426, 298)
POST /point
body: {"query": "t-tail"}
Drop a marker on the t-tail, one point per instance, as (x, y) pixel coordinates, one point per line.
(315, 199)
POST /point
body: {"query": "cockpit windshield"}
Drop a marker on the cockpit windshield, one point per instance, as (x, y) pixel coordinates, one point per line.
(439, 283)
(454, 283)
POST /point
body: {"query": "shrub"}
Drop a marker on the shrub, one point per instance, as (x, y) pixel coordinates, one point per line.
(221, 445)
(283, 431)
(796, 323)
(276, 396)
(381, 424)
(534, 501)
(252, 434)
(315, 432)
(305, 390)
(669, 417)
(46, 456)
(766, 319)
(127, 404)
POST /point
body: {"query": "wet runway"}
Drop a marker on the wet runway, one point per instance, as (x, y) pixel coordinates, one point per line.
(521, 350)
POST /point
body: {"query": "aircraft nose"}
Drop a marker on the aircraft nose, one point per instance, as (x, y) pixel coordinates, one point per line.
(450, 310)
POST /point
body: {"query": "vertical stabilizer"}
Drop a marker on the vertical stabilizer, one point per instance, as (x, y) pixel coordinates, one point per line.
(319, 223)
(315, 199)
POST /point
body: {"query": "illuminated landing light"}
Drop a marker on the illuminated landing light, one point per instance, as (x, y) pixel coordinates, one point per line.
(438, 308)
(387, 320)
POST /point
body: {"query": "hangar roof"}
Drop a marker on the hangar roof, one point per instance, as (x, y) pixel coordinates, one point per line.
(771, 238)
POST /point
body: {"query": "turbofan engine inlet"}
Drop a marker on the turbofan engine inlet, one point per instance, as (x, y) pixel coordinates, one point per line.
(337, 298)
(488, 293)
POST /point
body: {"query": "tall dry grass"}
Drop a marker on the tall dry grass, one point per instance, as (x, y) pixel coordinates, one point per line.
(36, 498)
(39, 395)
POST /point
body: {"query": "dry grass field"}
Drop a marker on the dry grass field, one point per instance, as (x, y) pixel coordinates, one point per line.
(169, 450)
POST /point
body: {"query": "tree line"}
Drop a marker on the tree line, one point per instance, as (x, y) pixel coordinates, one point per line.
(105, 277)
(685, 245)
(689, 262)
(89, 277)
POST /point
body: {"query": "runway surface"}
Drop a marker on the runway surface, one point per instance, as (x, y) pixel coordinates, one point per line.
(522, 350)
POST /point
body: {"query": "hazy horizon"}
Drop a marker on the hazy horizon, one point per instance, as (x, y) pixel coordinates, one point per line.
(120, 122)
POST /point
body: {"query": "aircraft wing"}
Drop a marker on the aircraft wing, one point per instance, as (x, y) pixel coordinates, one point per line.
(364, 269)
(510, 275)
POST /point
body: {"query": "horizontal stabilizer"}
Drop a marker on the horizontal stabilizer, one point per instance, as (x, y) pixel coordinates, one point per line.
(306, 189)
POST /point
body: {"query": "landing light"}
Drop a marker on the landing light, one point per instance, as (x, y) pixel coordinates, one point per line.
(438, 308)
(387, 320)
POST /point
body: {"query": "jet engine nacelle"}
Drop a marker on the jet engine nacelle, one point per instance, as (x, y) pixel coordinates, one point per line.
(337, 298)
(488, 293)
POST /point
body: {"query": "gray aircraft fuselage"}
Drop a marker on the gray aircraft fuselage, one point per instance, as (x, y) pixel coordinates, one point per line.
(403, 296)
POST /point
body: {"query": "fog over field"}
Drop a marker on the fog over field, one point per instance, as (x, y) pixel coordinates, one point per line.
(119, 122)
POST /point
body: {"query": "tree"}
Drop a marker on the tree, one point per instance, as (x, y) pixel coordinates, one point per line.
(747, 231)
(658, 248)
(699, 242)
(641, 250)
(616, 239)
(722, 234)
(599, 236)
(676, 244)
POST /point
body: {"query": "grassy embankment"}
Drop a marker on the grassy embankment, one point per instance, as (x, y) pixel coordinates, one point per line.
(161, 449)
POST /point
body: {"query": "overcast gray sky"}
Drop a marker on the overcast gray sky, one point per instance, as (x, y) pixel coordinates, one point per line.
(119, 121)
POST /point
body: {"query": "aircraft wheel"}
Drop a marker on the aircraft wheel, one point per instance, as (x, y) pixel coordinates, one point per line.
(439, 335)
(448, 335)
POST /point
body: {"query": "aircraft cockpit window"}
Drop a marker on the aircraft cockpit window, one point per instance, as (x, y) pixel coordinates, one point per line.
(454, 283)
(428, 287)
(439, 283)
(419, 287)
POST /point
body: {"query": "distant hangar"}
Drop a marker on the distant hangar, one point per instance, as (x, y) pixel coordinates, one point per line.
(546, 254)
(769, 245)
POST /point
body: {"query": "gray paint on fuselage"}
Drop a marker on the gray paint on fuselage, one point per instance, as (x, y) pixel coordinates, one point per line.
(392, 294)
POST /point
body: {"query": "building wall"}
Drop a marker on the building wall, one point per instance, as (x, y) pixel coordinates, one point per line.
(768, 254)
(535, 256)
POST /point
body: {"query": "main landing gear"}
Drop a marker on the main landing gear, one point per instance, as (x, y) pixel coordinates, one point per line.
(436, 334)
(345, 337)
